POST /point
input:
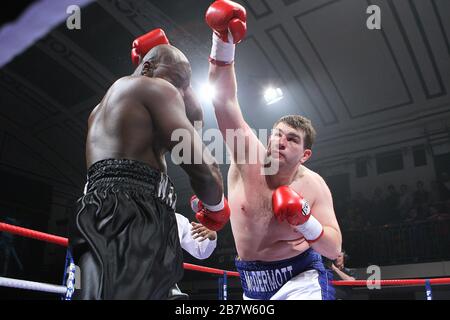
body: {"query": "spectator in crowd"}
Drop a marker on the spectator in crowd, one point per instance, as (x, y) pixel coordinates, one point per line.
(421, 199)
(392, 201)
(405, 202)
(411, 216)
(436, 213)
(363, 205)
(340, 272)
(198, 241)
(354, 220)
(378, 208)
(361, 201)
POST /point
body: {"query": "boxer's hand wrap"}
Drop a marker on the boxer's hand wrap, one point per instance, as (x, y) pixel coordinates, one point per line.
(227, 19)
(222, 53)
(142, 45)
(213, 217)
(290, 206)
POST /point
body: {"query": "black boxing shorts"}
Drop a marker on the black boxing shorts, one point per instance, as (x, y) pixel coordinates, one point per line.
(124, 236)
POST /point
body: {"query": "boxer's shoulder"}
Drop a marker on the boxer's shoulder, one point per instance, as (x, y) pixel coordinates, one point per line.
(135, 84)
(151, 92)
(308, 182)
(306, 175)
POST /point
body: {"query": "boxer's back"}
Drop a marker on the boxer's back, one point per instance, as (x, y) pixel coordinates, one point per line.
(120, 127)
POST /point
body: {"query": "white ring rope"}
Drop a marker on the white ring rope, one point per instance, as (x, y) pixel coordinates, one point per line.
(31, 285)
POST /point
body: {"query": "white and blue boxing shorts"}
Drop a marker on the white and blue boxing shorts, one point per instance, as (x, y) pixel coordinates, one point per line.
(303, 277)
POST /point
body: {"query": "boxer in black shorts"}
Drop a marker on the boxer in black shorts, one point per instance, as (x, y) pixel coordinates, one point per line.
(124, 234)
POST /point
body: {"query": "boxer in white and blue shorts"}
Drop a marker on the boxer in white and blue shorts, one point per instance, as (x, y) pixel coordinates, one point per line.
(282, 214)
(303, 277)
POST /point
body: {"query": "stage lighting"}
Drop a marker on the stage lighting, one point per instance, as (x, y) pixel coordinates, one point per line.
(207, 92)
(272, 95)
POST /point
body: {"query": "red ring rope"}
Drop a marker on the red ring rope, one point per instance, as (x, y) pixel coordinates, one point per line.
(34, 234)
(65, 242)
(394, 282)
(194, 267)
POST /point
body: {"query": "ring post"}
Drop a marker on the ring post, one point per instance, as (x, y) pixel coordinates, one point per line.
(66, 264)
(65, 267)
(225, 285)
(71, 280)
(428, 290)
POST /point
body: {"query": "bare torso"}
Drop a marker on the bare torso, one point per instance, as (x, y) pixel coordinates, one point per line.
(120, 127)
(258, 235)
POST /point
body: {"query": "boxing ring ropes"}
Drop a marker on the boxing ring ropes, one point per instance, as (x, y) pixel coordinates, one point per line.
(67, 289)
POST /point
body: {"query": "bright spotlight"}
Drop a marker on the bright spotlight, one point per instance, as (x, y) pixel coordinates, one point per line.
(207, 92)
(272, 95)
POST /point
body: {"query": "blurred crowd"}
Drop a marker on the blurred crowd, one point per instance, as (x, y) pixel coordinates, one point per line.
(396, 204)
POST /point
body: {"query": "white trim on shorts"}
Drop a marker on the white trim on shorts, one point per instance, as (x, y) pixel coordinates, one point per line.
(304, 286)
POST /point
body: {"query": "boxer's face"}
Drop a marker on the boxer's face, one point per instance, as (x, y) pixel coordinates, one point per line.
(339, 262)
(286, 145)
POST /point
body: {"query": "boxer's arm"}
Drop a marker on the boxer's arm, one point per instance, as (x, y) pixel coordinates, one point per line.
(188, 239)
(228, 112)
(174, 130)
(205, 240)
(183, 230)
(329, 244)
(227, 20)
(225, 101)
(342, 274)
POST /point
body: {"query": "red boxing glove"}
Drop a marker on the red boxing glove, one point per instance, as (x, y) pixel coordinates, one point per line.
(288, 204)
(213, 217)
(135, 57)
(142, 45)
(227, 18)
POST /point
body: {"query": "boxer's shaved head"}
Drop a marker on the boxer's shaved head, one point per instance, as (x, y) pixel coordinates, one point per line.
(167, 62)
(165, 54)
